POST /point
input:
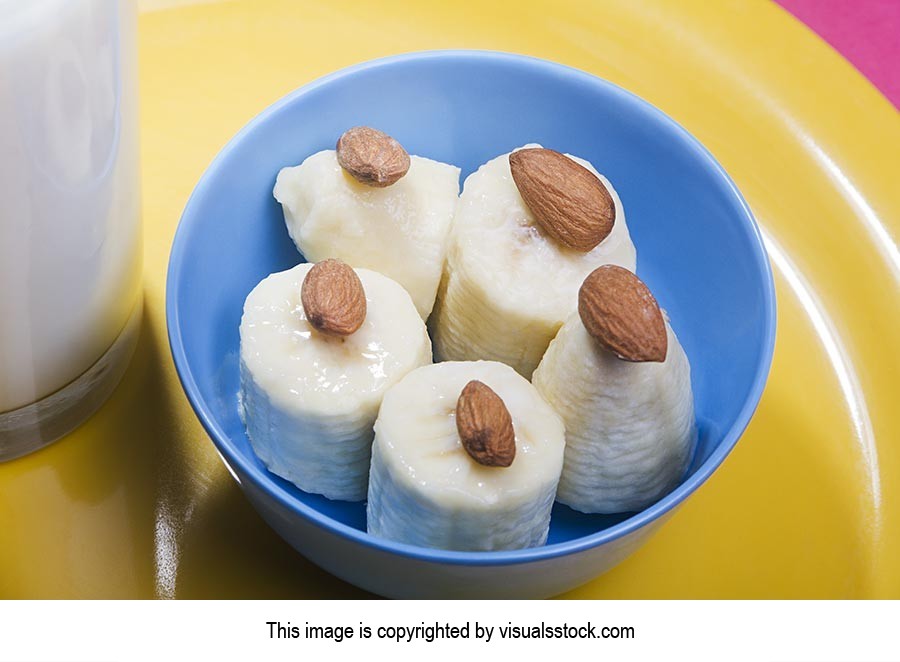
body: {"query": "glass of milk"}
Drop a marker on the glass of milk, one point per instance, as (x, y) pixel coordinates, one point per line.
(70, 234)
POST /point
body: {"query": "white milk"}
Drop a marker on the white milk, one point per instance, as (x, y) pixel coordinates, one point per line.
(70, 258)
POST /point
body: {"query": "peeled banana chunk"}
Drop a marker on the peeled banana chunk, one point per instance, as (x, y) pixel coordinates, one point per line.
(424, 487)
(399, 230)
(630, 427)
(508, 286)
(310, 400)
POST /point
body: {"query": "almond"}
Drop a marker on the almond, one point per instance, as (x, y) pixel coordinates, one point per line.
(485, 426)
(568, 201)
(333, 298)
(619, 311)
(372, 157)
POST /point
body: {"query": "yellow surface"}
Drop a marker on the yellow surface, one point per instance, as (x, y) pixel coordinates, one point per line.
(136, 502)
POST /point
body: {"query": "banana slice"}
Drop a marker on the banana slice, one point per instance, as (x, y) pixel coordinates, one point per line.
(426, 489)
(629, 425)
(309, 400)
(507, 285)
(399, 230)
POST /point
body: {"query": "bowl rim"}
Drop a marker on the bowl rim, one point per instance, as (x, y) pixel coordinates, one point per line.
(263, 480)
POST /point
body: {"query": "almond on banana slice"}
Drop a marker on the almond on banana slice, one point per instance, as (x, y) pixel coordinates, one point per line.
(496, 301)
(424, 487)
(621, 314)
(485, 426)
(372, 157)
(567, 199)
(309, 401)
(333, 298)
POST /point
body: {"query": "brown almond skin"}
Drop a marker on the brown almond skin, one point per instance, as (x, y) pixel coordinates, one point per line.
(372, 157)
(485, 426)
(621, 314)
(333, 298)
(568, 201)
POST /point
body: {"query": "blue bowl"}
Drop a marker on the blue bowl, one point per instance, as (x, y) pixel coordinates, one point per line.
(699, 250)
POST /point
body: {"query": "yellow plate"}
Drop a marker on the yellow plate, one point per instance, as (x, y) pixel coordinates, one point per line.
(137, 504)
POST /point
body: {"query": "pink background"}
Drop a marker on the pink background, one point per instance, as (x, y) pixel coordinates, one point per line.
(866, 32)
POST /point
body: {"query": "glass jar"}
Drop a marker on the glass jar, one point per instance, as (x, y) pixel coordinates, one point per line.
(70, 235)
